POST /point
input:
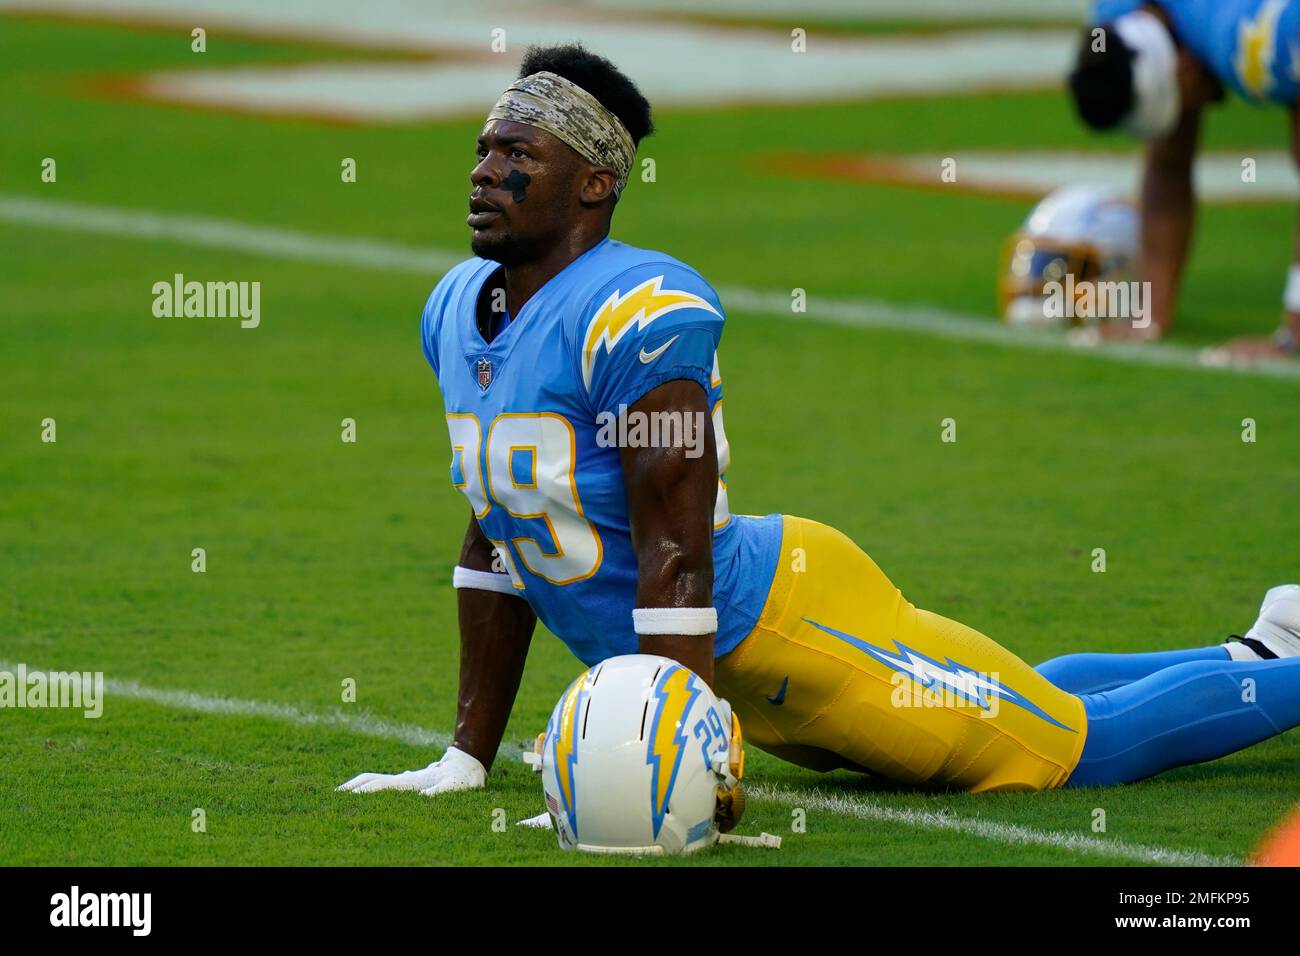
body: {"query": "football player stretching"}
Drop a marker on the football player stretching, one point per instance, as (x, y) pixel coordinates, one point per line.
(626, 546)
(1152, 68)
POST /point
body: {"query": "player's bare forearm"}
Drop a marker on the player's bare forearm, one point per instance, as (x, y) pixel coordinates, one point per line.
(495, 631)
(671, 491)
(1168, 215)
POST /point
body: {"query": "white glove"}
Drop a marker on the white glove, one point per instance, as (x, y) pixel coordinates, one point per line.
(456, 770)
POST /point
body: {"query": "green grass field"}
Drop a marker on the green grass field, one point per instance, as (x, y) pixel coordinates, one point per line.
(328, 561)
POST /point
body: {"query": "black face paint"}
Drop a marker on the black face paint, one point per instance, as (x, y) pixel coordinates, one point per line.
(517, 183)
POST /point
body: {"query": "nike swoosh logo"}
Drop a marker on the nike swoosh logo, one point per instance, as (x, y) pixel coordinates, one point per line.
(779, 699)
(648, 357)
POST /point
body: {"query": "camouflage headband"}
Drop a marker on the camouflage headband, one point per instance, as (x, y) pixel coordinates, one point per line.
(574, 116)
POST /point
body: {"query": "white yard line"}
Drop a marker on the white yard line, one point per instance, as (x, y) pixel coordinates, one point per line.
(1012, 833)
(363, 724)
(258, 240)
(815, 799)
(213, 233)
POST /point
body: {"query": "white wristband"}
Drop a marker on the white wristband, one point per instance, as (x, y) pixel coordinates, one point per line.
(1291, 298)
(692, 621)
(483, 581)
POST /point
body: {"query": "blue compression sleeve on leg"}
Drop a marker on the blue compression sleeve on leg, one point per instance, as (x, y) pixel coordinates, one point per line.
(1185, 714)
(1094, 673)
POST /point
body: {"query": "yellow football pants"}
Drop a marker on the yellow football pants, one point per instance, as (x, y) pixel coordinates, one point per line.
(842, 671)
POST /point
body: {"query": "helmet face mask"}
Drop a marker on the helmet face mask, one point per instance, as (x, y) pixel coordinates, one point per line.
(640, 757)
(731, 795)
(1030, 264)
(1077, 237)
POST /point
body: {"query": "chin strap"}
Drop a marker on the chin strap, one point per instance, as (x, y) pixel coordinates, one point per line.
(764, 839)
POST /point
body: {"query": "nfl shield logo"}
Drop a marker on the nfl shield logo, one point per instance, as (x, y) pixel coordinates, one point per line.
(484, 373)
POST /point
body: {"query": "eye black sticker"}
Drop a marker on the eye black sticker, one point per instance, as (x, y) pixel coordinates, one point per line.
(517, 183)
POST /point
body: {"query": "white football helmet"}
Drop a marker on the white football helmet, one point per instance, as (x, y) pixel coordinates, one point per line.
(639, 756)
(1087, 232)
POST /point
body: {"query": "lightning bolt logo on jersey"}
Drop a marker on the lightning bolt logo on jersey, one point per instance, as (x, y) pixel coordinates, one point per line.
(1252, 46)
(637, 309)
(524, 416)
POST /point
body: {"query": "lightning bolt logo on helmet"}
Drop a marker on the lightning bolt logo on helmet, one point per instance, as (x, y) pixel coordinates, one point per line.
(637, 309)
(565, 743)
(676, 691)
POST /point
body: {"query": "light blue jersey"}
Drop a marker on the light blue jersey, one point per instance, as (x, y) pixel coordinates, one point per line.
(533, 418)
(1252, 46)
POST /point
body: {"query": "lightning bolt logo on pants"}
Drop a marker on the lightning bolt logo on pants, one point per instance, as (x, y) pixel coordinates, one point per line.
(930, 672)
(674, 695)
(622, 313)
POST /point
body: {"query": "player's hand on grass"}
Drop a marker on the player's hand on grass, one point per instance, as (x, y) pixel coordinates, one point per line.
(1090, 336)
(1276, 347)
(456, 770)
